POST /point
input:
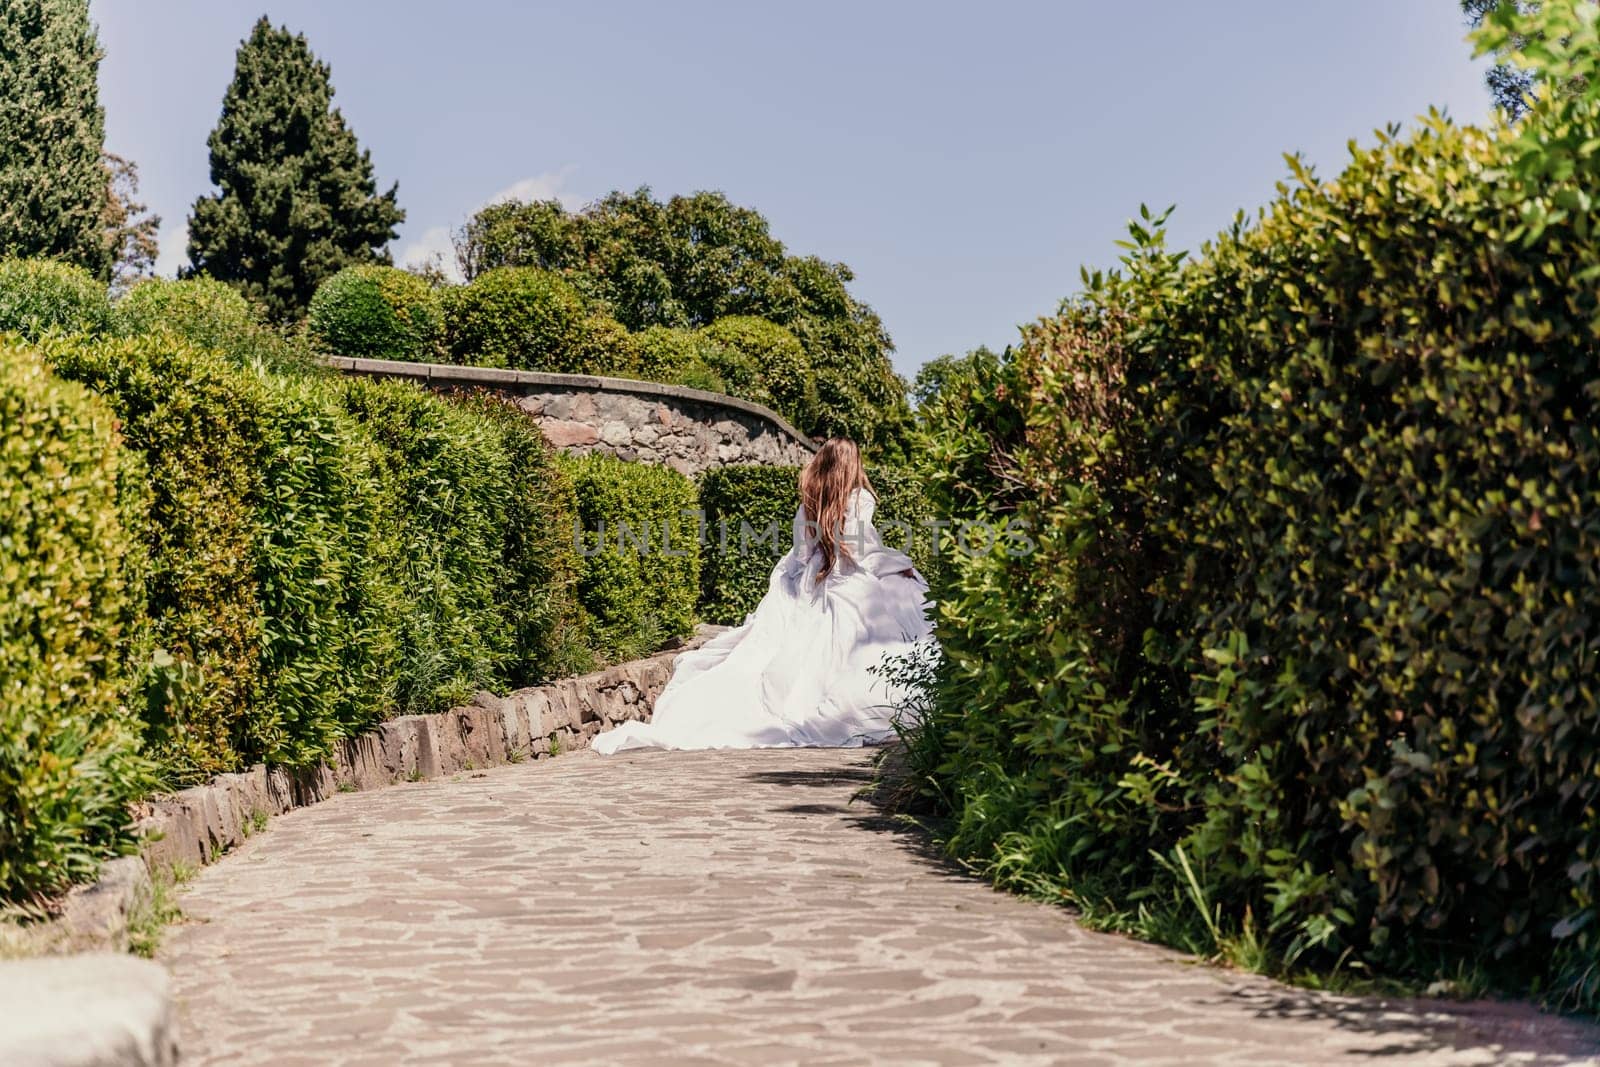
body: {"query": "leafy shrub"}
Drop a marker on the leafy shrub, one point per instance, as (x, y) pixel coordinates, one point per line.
(1297, 673)
(679, 357)
(603, 346)
(207, 314)
(197, 422)
(762, 361)
(446, 484)
(37, 295)
(639, 570)
(377, 312)
(538, 588)
(516, 317)
(742, 504)
(69, 763)
(326, 648)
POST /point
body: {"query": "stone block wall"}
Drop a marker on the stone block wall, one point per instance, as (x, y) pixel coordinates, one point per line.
(195, 826)
(689, 430)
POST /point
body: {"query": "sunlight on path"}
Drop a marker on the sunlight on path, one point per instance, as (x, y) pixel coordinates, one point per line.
(667, 908)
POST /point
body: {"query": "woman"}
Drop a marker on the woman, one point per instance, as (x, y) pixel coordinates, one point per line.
(800, 671)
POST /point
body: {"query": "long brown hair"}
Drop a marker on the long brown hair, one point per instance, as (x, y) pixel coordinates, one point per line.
(825, 487)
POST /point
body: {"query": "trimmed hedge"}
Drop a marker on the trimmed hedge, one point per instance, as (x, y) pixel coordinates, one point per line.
(377, 312)
(741, 504)
(538, 589)
(41, 295)
(208, 314)
(69, 761)
(639, 549)
(198, 423)
(1300, 673)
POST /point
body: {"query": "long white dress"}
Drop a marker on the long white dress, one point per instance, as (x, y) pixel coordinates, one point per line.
(799, 671)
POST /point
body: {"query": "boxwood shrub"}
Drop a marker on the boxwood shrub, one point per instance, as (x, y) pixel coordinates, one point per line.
(679, 357)
(69, 761)
(38, 295)
(516, 317)
(639, 554)
(377, 312)
(541, 618)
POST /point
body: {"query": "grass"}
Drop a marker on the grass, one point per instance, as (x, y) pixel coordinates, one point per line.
(153, 913)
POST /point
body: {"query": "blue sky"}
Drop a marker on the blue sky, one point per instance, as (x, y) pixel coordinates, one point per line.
(965, 159)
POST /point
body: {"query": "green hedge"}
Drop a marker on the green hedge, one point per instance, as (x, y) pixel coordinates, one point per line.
(208, 314)
(639, 565)
(69, 760)
(39, 295)
(741, 505)
(1300, 671)
(738, 562)
(198, 424)
(538, 588)
(377, 312)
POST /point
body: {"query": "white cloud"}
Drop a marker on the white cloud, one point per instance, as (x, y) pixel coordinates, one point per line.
(434, 245)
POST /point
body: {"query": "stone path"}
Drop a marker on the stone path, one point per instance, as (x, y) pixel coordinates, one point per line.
(713, 908)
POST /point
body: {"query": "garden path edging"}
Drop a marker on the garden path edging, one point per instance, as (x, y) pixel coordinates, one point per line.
(198, 825)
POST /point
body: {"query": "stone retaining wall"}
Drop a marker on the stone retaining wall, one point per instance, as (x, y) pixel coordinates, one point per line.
(197, 825)
(689, 430)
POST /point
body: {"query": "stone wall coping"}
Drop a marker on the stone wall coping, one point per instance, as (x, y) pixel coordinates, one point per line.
(448, 374)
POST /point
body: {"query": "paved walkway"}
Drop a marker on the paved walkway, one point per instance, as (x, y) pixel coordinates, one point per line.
(680, 908)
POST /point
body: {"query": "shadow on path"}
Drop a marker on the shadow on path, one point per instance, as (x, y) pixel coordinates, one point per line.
(1414, 1026)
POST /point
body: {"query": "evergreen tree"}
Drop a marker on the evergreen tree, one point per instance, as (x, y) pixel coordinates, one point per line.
(53, 187)
(297, 200)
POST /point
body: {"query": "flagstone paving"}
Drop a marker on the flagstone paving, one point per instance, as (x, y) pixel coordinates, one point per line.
(715, 908)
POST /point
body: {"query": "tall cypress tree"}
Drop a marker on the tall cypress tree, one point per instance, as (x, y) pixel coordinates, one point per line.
(296, 200)
(53, 187)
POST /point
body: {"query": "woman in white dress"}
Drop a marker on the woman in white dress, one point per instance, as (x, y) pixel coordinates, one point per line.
(800, 670)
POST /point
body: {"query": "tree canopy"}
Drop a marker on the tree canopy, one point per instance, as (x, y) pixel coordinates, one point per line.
(690, 260)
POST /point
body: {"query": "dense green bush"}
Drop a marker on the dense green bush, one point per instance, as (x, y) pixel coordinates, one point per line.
(207, 314)
(377, 312)
(515, 317)
(639, 566)
(679, 357)
(198, 423)
(762, 361)
(1299, 671)
(538, 588)
(37, 295)
(69, 760)
(742, 504)
(327, 652)
(475, 524)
